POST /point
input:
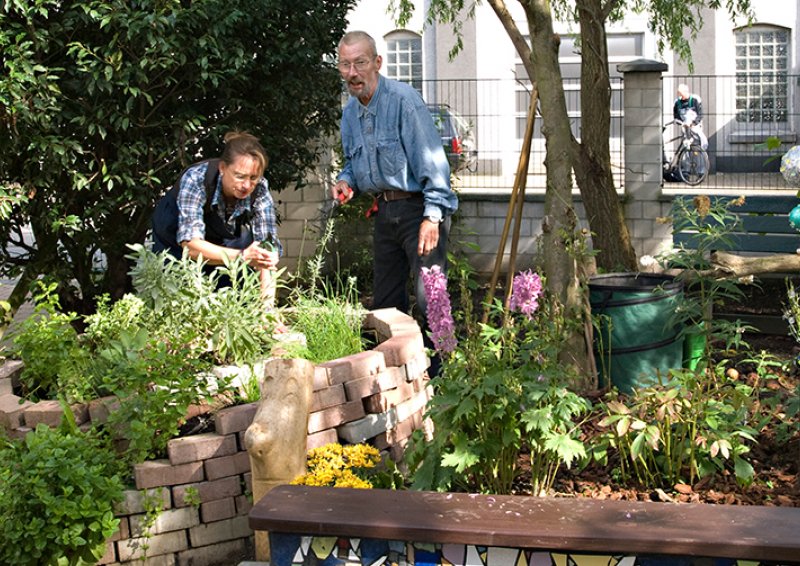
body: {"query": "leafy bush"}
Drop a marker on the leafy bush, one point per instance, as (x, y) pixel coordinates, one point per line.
(58, 497)
(680, 431)
(48, 344)
(498, 392)
(230, 325)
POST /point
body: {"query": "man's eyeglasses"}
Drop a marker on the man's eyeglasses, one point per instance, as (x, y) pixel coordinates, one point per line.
(360, 65)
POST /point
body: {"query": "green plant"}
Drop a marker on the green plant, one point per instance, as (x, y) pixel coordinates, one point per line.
(48, 345)
(57, 501)
(104, 103)
(713, 222)
(351, 465)
(154, 385)
(192, 497)
(679, 431)
(500, 389)
(230, 324)
(327, 313)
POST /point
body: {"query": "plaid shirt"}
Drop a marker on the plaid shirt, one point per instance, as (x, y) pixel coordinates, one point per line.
(192, 197)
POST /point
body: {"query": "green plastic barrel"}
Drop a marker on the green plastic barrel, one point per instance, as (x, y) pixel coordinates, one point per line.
(635, 342)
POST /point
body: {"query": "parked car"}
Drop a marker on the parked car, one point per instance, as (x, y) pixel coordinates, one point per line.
(457, 137)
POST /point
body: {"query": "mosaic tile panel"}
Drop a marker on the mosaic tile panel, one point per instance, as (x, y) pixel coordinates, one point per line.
(297, 550)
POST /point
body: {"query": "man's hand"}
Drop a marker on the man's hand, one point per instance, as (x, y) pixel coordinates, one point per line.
(341, 192)
(428, 237)
(259, 257)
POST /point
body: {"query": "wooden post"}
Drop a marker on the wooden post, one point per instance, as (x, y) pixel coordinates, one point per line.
(276, 440)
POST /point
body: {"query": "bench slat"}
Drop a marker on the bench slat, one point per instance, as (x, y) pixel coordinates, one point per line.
(778, 204)
(578, 525)
(770, 243)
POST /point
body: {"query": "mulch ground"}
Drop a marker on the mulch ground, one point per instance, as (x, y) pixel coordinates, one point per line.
(776, 461)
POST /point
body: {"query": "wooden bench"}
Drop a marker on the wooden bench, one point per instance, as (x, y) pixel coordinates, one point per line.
(556, 526)
(763, 225)
(762, 228)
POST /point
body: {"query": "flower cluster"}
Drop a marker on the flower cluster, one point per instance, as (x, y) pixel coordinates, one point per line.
(440, 318)
(334, 465)
(525, 293)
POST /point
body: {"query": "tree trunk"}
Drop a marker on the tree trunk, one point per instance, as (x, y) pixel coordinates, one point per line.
(592, 164)
(560, 221)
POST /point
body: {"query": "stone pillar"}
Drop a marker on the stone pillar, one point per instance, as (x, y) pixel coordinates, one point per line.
(276, 440)
(643, 156)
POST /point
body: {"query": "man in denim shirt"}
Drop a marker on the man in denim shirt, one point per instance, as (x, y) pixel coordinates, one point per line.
(393, 150)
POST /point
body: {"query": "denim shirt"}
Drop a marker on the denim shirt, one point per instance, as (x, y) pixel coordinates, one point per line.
(393, 144)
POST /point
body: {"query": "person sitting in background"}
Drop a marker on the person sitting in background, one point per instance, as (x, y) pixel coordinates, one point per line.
(688, 109)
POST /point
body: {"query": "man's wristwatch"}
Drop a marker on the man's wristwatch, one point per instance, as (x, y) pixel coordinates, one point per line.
(433, 219)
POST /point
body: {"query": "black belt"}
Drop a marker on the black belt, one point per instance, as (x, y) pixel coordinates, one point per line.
(389, 196)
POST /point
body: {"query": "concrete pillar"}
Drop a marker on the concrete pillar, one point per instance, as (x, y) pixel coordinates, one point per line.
(643, 156)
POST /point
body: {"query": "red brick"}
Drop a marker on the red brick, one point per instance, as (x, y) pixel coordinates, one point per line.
(12, 369)
(417, 403)
(6, 387)
(388, 322)
(385, 400)
(335, 416)
(417, 368)
(18, 433)
(235, 419)
(248, 482)
(51, 413)
(355, 366)
(220, 553)
(233, 465)
(388, 379)
(321, 438)
(200, 447)
(217, 510)
(11, 411)
(156, 473)
(110, 555)
(401, 348)
(100, 409)
(327, 397)
(322, 377)
(209, 490)
(243, 504)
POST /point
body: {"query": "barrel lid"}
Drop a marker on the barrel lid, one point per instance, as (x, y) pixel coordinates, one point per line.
(630, 281)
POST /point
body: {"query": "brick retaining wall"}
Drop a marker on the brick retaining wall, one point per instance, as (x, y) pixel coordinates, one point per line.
(377, 397)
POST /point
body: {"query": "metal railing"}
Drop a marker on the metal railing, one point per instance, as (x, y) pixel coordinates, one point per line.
(496, 111)
(739, 114)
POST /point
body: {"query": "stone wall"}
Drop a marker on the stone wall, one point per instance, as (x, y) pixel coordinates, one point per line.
(204, 485)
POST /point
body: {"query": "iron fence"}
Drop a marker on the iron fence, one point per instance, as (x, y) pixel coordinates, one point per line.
(496, 111)
(740, 112)
(735, 124)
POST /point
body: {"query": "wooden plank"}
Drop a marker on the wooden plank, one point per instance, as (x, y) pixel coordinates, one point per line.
(757, 203)
(763, 323)
(762, 224)
(768, 243)
(578, 525)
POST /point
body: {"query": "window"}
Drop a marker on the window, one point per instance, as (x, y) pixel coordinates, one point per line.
(762, 80)
(404, 58)
(621, 47)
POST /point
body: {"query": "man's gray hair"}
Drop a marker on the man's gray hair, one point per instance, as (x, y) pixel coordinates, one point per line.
(352, 37)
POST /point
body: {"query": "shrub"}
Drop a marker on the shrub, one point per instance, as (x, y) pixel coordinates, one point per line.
(58, 497)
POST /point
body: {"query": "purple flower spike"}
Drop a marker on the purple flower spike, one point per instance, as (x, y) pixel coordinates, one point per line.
(440, 318)
(525, 293)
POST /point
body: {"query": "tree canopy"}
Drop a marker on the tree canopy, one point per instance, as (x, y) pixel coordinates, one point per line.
(103, 102)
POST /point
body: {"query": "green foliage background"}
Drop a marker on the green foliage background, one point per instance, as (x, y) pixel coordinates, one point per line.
(103, 102)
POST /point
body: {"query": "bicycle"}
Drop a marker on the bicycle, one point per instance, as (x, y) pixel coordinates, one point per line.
(690, 161)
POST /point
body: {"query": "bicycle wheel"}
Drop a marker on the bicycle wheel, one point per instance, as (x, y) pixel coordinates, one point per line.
(693, 165)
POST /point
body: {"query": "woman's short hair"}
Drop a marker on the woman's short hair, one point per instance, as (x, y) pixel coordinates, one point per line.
(243, 143)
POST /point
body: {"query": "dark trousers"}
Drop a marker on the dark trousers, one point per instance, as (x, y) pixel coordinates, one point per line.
(395, 240)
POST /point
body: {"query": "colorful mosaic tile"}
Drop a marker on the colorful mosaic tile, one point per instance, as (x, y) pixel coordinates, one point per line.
(296, 550)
